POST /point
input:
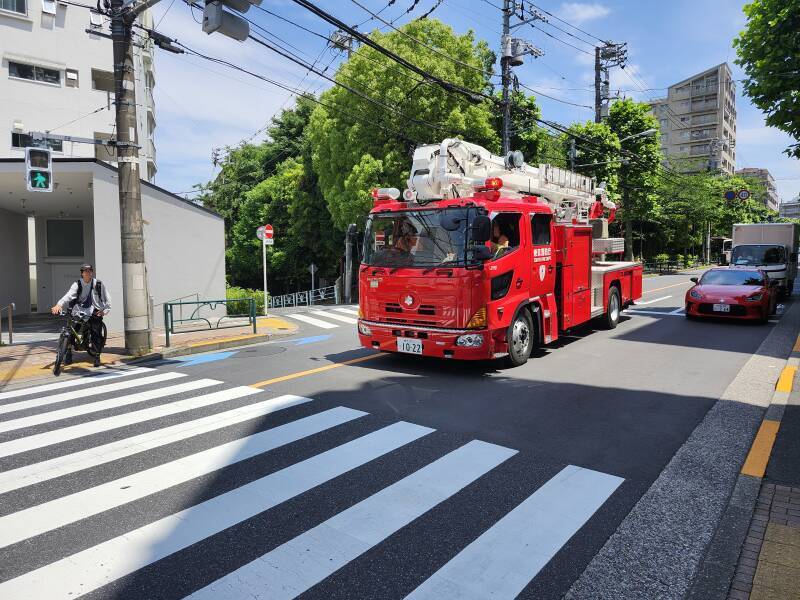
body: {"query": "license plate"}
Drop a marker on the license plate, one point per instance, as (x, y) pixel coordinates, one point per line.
(722, 308)
(411, 346)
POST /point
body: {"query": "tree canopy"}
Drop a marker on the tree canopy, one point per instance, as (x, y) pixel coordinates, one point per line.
(769, 53)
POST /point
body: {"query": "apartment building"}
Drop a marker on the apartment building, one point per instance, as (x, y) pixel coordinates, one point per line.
(55, 76)
(698, 122)
(790, 208)
(770, 197)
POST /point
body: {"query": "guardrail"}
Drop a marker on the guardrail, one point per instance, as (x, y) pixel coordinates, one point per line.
(665, 267)
(304, 298)
(247, 305)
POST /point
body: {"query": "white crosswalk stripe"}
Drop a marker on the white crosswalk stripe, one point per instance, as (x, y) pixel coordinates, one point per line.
(347, 311)
(55, 489)
(312, 321)
(68, 383)
(337, 317)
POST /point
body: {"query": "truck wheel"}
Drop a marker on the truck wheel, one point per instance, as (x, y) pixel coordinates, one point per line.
(520, 340)
(613, 308)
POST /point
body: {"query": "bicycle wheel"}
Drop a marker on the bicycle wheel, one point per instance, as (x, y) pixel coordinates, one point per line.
(61, 352)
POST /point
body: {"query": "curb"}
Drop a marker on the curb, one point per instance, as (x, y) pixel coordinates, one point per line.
(716, 573)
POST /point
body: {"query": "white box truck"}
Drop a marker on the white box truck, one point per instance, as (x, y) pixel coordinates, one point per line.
(771, 246)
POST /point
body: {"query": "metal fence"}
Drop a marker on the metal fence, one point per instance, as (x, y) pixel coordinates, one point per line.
(238, 313)
(306, 298)
(665, 267)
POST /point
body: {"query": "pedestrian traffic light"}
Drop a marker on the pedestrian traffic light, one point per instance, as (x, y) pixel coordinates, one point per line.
(216, 18)
(38, 169)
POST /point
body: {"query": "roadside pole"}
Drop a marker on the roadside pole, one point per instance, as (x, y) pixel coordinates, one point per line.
(264, 263)
(348, 263)
(135, 295)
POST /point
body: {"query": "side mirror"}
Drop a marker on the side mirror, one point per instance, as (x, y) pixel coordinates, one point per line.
(479, 253)
(693, 279)
(481, 229)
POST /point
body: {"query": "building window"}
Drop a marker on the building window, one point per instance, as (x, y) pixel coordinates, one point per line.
(16, 6)
(34, 73)
(65, 238)
(95, 19)
(102, 80)
(49, 7)
(71, 77)
(23, 140)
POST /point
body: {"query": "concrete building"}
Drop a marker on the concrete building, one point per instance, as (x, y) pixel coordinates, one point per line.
(44, 237)
(790, 208)
(55, 76)
(698, 121)
(770, 197)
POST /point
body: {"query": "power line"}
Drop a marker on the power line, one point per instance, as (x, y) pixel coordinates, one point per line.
(549, 14)
(95, 111)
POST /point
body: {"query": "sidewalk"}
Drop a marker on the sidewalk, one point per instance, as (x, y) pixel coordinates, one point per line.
(769, 561)
(29, 361)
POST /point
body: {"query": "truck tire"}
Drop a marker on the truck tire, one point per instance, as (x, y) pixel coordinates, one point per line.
(613, 308)
(520, 339)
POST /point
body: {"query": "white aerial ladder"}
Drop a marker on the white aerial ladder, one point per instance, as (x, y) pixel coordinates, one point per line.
(456, 168)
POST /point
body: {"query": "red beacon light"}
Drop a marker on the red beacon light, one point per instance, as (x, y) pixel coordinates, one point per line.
(490, 190)
(383, 195)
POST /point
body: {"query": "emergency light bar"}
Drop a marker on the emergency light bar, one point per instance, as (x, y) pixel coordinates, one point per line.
(385, 193)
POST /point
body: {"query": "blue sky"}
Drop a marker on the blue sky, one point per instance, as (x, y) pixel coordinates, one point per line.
(202, 106)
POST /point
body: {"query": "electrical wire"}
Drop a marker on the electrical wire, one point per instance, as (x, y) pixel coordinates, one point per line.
(549, 14)
(89, 114)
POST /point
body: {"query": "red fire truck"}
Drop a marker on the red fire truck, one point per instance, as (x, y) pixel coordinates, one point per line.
(487, 257)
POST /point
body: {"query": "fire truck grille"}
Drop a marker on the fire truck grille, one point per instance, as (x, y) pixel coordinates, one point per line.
(424, 309)
(736, 310)
(410, 321)
(392, 307)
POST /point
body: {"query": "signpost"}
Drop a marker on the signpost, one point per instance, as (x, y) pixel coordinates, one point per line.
(265, 233)
(313, 270)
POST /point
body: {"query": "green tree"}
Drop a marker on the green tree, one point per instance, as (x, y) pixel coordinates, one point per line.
(769, 53)
(639, 173)
(358, 145)
(598, 153)
(534, 141)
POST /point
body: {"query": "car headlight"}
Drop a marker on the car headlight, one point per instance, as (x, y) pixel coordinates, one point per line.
(755, 297)
(696, 295)
(470, 340)
(364, 329)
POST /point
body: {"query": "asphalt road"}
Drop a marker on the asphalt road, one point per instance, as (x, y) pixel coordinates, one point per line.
(346, 474)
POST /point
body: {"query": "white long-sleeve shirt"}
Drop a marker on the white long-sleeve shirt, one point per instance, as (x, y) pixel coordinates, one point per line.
(101, 301)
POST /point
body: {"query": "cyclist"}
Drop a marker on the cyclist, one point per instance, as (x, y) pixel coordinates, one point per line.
(87, 293)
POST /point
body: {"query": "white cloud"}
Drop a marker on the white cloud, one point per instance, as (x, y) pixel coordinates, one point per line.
(578, 13)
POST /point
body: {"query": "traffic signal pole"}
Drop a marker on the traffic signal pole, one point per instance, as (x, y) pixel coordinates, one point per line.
(135, 296)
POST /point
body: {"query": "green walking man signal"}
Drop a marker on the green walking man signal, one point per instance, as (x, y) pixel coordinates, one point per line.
(39, 169)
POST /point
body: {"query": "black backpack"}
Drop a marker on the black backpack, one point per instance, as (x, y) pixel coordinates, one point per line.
(98, 285)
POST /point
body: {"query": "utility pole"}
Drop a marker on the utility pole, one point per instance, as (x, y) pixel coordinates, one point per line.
(606, 56)
(136, 299)
(573, 154)
(505, 67)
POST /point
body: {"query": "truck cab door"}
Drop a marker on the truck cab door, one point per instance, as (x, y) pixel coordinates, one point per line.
(543, 257)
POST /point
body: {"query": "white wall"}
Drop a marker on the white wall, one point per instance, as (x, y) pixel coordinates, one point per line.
(107, 247)
(184, 250)
(14, 277)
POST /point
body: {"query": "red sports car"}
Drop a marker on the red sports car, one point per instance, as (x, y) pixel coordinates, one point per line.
(733, 292)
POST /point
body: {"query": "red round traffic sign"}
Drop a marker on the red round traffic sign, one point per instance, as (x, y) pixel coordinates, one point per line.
(268, 231)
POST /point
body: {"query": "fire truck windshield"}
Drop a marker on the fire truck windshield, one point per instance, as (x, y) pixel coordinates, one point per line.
(421, 238)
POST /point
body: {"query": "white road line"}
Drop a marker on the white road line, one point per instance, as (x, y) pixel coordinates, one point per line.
(332, 315)
(101, 564)
(100, 389)
(294, 567)
(652, 301)
(501, 562)
(97, 455)
(348, 311)
(38, 519)
(653, 312)
(678, 311)
(101, 405)
(68, 383)
(312, 321)
(57, 436)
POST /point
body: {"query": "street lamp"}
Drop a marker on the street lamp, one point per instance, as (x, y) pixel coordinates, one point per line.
(640, 134)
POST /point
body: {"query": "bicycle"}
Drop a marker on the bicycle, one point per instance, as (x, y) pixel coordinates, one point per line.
(76, 335)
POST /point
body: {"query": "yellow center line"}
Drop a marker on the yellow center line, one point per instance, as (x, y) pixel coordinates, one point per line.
(352, 361)
(756, 463)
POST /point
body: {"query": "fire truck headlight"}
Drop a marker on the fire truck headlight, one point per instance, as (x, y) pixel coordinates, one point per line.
(364, 329)
(470, 340)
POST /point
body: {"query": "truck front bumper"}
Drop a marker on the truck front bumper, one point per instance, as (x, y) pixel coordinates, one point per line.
(441, 343)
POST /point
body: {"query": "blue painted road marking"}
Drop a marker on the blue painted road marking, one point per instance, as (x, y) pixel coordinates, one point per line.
(311, 340)
(204, 358)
